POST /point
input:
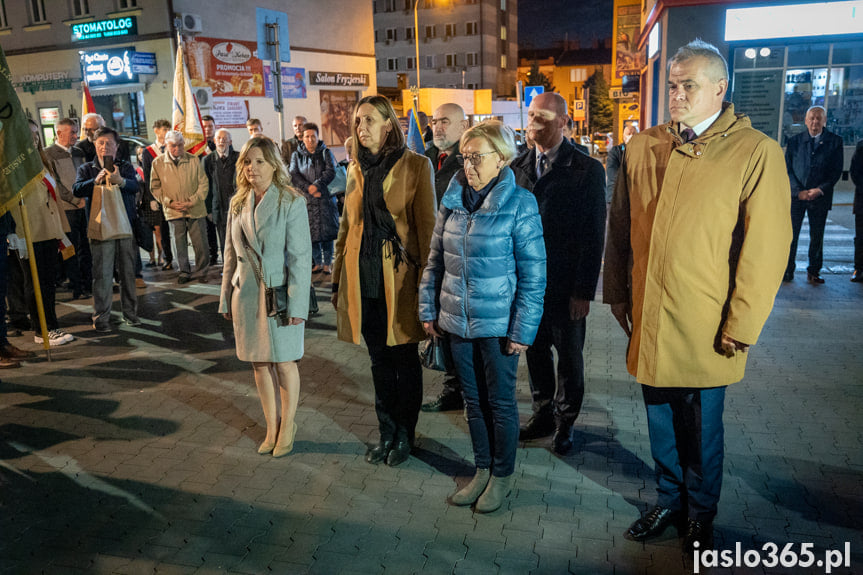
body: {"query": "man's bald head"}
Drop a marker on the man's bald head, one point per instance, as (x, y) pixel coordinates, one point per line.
(546, 118)
(448, 125)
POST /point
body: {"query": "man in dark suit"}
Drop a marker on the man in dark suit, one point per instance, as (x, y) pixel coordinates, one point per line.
(221, 170)
(151, 152)
(448, 125)
(814, 162)
(615, 158)
(569, 188)
(857, 177)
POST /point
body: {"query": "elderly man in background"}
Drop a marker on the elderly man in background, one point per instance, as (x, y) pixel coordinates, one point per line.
(290, 145)
(65, 160)
(814, 161)
(108, 252)
(698, 237)
(221, 170)
(89, 124)
(448, 125)
(178, 182)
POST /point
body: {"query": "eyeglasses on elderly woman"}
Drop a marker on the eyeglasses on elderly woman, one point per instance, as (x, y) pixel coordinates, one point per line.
(474, 159)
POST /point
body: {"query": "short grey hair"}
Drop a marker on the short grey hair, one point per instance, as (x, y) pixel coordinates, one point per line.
(175, 137)
(497, 134)
(98, 117)
(698, 48)
(227, 131)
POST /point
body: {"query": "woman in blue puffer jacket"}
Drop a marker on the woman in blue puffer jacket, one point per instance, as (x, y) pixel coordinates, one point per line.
(483, 289)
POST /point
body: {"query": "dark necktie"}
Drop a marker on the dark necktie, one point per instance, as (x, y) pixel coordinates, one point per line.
(688, 135)
(543, 164)
(441, 159)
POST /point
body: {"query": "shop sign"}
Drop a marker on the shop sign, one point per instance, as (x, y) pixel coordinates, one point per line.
(49, 115)
(144, 63)
(100, 29)
(343, 79)
(44, 81)
(229, 67)
(230, 112)
(107, 67)
(293, 82)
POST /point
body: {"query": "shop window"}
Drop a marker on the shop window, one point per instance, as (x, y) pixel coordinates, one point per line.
(848, 53)
(800, 55)
(80, 8)
(845, 103)
(804, 87)
(37, 11)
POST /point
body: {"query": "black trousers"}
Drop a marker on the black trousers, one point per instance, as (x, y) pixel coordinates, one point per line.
(562, 398)
(817, 210)
(79, 268)
(165, 232)
(858, 240)
(212, 241)
(396, 373)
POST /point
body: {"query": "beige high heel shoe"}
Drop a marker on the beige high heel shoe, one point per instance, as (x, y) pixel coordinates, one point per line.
(266, 447)
(281, 450)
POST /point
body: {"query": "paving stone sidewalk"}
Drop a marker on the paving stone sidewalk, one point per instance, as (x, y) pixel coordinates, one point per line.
(134, 453)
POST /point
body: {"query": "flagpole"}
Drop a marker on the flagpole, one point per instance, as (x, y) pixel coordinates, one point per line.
(37, 289)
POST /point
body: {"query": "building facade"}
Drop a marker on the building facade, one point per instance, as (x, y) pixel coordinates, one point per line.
(471, 44)
(127, 49)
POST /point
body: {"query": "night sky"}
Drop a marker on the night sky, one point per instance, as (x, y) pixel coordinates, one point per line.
(541, 22)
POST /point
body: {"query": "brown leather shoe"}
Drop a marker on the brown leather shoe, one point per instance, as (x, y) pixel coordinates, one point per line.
(9, 351)
(814, 278)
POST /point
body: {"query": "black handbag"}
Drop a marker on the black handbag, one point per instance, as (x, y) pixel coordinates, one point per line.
(433, 355)
(276, 298)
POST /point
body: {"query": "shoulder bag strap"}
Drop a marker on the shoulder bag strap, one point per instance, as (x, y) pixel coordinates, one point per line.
(253, 259)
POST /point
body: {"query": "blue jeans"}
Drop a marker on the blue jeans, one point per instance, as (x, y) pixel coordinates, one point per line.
(104, 255)
(564, 399)
(322, 253)
(687, 444)
(487, 375)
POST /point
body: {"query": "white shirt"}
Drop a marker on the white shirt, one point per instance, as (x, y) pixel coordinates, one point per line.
(702, 126)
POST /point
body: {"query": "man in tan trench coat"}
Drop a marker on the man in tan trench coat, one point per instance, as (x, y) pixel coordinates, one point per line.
(698, 239)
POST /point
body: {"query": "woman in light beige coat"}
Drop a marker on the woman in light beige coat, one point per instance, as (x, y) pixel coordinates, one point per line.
(268, 238)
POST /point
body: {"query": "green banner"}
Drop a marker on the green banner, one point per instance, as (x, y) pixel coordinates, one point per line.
(20, 163)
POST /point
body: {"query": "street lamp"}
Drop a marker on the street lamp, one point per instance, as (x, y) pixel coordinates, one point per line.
(417, 41)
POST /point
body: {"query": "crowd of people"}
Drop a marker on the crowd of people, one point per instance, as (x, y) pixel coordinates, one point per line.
(495, 251)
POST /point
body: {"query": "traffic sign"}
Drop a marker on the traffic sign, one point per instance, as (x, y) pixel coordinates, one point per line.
(578, 110)
(530, 92)
(264, 17)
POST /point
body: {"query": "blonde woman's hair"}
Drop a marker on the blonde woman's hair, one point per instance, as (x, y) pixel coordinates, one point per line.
(281, 178)
(497, 134)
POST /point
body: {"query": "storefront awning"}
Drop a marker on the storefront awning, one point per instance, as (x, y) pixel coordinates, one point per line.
(117, 89)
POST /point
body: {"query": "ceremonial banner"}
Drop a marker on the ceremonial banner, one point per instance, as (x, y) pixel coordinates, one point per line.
(20, 163)
(87, 105)
(415, 138)
(187, 116)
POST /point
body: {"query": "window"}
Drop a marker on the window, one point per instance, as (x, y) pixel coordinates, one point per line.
(392, 63)
(37, 11)
(124, 4)
(392, 35)
(503, 32)
(503, 5)
(472, 58)
(471, 29)
(408, 5)
(503, 60)
(449, 29)
(376, 37)
(4, 23)
(450, 60)
(472, 86)
(409, 33)
(431, 32)
(80, 8)
(411, 63)
(390, 5)
(430, 61)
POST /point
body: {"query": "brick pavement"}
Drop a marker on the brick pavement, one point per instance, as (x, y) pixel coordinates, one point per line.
(135, 453)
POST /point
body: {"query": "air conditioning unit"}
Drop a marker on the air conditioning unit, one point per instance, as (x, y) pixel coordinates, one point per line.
(204, 96)
(191, 23)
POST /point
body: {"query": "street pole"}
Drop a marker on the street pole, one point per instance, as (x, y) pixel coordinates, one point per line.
(278, 104)
(417, 40)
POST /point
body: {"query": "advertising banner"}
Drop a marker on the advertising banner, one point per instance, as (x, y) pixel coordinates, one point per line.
(337, 107)
(293, 82)
(627, 58)
(230, 112)
(229, 67)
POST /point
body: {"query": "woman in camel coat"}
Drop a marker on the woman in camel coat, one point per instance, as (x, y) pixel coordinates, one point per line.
(380, 255)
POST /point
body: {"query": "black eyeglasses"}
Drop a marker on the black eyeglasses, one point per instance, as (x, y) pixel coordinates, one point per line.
(474, 159)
